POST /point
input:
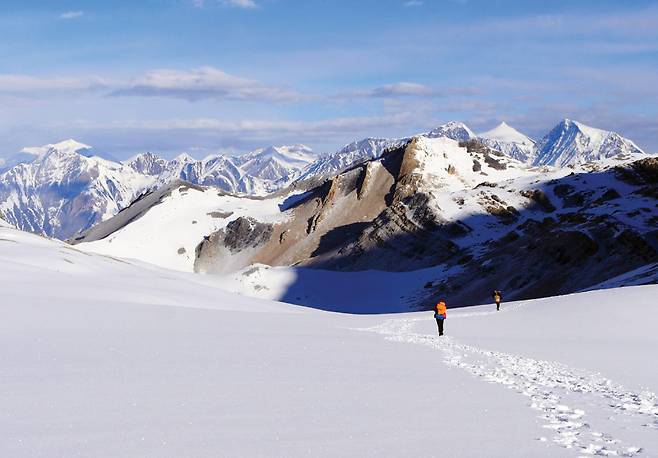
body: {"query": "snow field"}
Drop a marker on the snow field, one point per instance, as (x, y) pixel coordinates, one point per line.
(108, 357)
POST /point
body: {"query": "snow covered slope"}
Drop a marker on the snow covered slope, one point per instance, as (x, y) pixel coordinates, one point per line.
(114, 358)
(167, 229)
(508, 140)
(573, 143)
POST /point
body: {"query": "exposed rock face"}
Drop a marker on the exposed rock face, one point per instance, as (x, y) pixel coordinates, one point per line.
(244, 233)
(372, 215)
(540, 198)
(556, 260)
(643, 172)
(241, 235)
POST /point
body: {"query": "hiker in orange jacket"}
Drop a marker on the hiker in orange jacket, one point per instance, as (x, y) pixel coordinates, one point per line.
(440, 314)
(497, 297)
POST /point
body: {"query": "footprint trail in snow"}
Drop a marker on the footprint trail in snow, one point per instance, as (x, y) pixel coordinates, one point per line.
(558, 392)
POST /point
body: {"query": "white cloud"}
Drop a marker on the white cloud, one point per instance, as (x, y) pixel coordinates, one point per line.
(246, 4)
(71, 15)
(23, 85)
(395, 90)
(266, 127)
(192, 85)
(407, 89)
(210, 133)
(202, 83)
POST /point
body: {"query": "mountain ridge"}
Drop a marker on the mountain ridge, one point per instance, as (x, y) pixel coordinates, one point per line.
(54, 191)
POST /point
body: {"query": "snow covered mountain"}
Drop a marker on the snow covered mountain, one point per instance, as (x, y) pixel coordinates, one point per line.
(148, 164)
(349, 155)
(574, 143)
(275, 167)
(455, 214)
(64, 188)
(259, 172)
(509, 141)
(33, 153)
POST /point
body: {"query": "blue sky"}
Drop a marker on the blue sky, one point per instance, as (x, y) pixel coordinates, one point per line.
(207, 76)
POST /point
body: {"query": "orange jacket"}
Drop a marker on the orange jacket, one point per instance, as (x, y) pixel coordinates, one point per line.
(441, 308)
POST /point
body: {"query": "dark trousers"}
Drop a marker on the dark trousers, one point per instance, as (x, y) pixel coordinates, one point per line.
(498, 305)
(439, 323)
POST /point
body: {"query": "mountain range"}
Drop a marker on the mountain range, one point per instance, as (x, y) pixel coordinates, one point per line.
(446, 216)
(64, 188)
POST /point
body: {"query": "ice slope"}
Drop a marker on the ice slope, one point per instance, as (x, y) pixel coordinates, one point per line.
(168, 233)
(508, 140)
(574, 143)
(113, 358)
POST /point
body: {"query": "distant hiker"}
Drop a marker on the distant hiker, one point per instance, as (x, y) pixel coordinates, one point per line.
(440, 314)
(497, 297)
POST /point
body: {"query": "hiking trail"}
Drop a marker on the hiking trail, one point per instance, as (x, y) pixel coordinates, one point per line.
(562, 395)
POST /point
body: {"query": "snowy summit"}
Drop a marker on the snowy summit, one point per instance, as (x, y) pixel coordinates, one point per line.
(572, 143)
(510, 141)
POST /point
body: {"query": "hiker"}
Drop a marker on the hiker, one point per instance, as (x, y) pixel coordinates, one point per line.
(440, 314)
(497, 297)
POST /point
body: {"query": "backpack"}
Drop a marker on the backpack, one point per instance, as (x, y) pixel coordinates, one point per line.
(443, 314)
